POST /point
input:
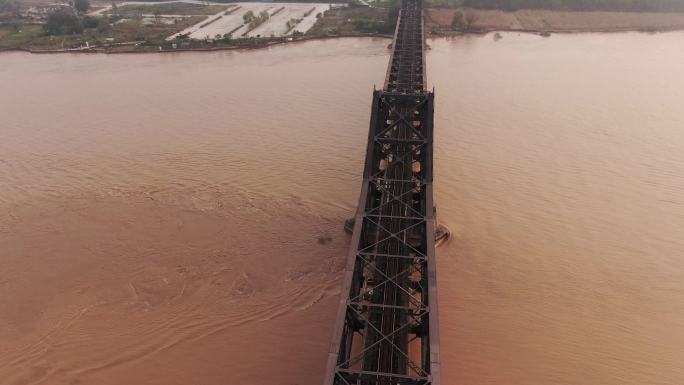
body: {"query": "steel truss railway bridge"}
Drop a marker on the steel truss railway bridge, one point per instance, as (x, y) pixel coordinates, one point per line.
(386, 330)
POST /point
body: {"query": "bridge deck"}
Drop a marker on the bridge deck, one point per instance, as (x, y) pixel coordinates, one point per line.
(386, 331)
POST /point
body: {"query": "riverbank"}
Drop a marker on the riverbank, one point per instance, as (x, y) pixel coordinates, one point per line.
(349, 22)
(136, 49)
(439, 21)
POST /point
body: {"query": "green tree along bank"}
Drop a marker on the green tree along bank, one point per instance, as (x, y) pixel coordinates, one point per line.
(66, 22)
(248, 16)
(11, 7)
(82, 6)
(63, 22)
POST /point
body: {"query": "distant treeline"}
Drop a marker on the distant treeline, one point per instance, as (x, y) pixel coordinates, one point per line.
(580, 5)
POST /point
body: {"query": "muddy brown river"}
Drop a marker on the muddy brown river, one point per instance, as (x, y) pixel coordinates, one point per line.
(177, 219)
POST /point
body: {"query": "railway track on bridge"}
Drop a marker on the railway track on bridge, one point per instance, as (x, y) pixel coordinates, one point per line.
(386, 331)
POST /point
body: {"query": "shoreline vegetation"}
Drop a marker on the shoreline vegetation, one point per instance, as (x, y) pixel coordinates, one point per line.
(145, 28)
(255, 44)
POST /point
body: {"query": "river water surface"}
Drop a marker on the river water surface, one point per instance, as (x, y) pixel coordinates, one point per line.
(177, 219)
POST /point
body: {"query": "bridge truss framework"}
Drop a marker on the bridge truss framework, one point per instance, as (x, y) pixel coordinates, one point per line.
(386, 330)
